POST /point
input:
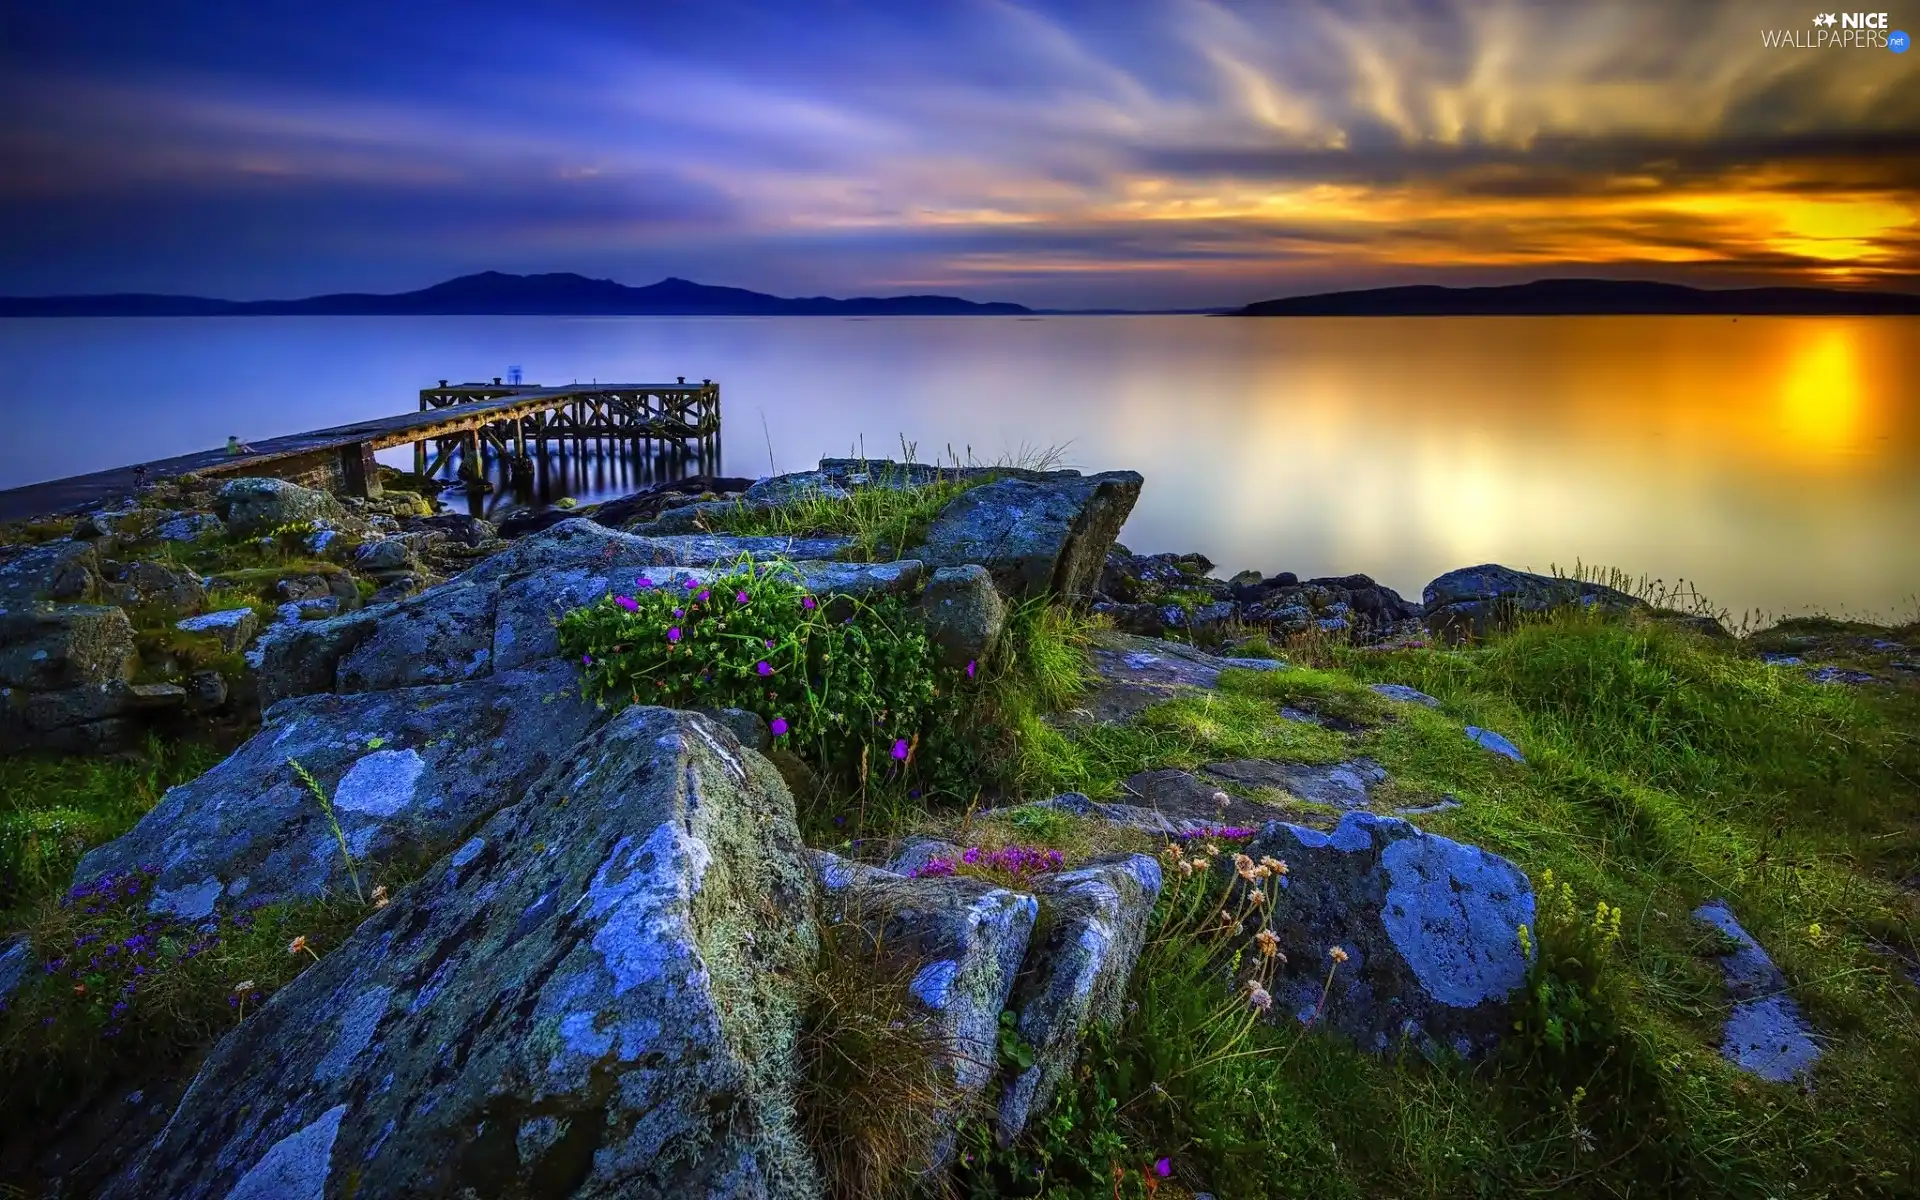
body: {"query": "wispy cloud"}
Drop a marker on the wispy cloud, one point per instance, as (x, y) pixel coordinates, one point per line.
(1182, 150)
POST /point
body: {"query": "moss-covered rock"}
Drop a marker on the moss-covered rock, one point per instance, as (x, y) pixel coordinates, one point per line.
(594, 996)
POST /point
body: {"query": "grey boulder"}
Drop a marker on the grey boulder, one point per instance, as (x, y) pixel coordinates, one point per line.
(593, 996)
(965, 940)
(51, 571)
(254, 505)
(964, 614)
(1096, 919)
(1038, 535)
(46, 647)
(160, 584)
(408, 772)
(1132, 674)
(1429, 927)
(234, 627)
(1476, 601)
(1765, 1034)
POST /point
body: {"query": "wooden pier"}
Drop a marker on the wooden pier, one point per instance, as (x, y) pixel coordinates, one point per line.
(464, 420)
(523, 415)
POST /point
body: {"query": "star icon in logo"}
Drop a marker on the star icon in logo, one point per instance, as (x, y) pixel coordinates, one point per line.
(1824, 19)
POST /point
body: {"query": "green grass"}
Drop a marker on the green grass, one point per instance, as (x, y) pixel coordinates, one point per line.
(884, 522)
(125, 994)
(54, 809)
(1664, 769)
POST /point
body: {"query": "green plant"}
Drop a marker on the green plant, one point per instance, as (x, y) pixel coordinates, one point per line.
(1164, 1082)
(1570, 952)
(333, 822)
(850, 685)
(884, 517)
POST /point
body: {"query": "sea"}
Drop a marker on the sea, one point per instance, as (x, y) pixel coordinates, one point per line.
(1770, 464)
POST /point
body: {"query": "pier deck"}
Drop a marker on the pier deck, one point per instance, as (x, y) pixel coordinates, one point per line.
(463, 420)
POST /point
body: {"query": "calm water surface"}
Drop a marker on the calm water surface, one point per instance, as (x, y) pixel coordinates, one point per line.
(1775, 463)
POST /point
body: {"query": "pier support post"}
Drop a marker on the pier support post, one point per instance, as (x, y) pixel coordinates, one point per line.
(359, 472)
(472, 466)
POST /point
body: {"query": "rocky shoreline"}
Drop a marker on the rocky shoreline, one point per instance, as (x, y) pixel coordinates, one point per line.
(590, 982)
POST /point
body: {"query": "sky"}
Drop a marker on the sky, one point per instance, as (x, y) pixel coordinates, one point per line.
(1124, 153)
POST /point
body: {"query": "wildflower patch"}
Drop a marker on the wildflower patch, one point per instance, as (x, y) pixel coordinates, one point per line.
(851, 686)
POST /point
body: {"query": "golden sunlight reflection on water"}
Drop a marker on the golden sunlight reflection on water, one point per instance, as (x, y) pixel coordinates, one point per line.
(1774, 462)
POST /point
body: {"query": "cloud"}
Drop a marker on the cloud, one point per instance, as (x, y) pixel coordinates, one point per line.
(1178, 144)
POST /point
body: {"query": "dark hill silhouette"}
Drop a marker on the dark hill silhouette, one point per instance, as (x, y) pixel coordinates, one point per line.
(492, 293)
(1584, 297)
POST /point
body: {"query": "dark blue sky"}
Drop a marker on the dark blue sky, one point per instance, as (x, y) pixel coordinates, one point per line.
(1174, 152)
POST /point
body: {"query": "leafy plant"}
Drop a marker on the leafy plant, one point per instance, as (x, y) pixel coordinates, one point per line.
(849, 685)
(1570, 951)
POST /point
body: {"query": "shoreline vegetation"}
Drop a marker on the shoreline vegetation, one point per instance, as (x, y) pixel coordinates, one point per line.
(1038, 713)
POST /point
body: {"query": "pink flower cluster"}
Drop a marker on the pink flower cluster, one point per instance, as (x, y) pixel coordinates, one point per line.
(1012, 860)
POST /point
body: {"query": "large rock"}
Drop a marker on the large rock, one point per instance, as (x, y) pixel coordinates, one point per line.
(386, 556)
(500, 614)
(47, 647)
(459, 527)
(1429, 927)
(51, 571)
(234, 627)
(1131, 674)
(964, 614)
(65, 672)
(162, 584)
(253, 505)
(594, 996)
(1476, 601)
(964, 940)
(190, 527)
(1096, 919)
(297, 658)
(1765, 1034)
(409, 772)
(442, 635)
(1040, 535)
(15, 957)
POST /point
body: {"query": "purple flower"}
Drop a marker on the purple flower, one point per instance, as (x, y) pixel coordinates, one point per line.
(740, 596)
(703, 594)
(933, 866)
(679, 612)
(628, 603)
(899, 749)
(1163, 1168)
(673, 635)
(763, 669)
(778, 726)
(692, 584)
(970, 668)
(806, 602)
(586, 660)
(643, 581)
(769, 643)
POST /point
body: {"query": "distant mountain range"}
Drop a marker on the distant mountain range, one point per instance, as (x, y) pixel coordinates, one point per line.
(1585, 297)
(492, 293)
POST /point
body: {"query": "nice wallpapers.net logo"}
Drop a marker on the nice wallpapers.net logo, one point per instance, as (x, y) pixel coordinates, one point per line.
(1840, 31)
